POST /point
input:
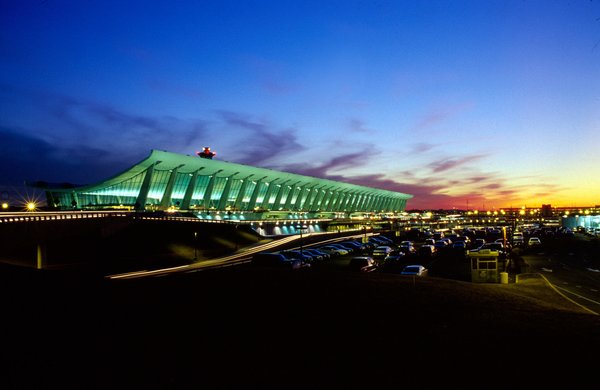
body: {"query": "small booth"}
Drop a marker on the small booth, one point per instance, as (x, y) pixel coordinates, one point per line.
(484, 265)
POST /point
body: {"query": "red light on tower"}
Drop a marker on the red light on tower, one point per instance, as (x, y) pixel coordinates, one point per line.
(206, 153)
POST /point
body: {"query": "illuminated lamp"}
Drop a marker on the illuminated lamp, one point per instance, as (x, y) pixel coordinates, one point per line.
(31, 206)
(4, 205)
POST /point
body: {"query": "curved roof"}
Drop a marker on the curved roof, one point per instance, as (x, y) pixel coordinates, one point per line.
(189, 164)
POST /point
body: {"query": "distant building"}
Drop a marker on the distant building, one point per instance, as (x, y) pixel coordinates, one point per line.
(170, 181)
(546, 210)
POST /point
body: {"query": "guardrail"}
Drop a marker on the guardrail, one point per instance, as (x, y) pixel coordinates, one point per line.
(54, 216)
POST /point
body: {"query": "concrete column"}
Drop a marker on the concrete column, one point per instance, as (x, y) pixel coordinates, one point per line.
(140, 203)
(272, 187)
(225, 196)
(319, 199)
(290, 196)
(189, 192)
(254, 196)
(209, 189)
(388, 204)
(298, 201)
(279, 195)
(340, 202)
(314, 192)
(242, 193)
(361, 206)
(300, 205)
(334, 198)
(165, 202)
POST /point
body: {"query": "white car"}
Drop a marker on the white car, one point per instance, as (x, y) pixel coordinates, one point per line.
(533, 241)
(333, 251)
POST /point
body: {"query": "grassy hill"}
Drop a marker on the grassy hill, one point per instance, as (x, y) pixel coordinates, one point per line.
(254, 328)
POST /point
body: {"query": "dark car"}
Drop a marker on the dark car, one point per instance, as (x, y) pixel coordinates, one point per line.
(408, 249)
(394, 262)
(357, 246)
(459, 246)
(414, 270)
(394, 256)
(320, 255)
(427, 251)
(278, 260)
(363, 264)
(300, 255)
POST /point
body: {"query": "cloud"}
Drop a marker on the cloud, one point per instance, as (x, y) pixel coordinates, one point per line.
(422, 147)
(77, 135)
(29, 158)
(102, 123)
(265, 144)
(451, 163)
(358, 126)
(425, 195)
(492, 186)
(79, 122)
(323, 170)
(433, 118)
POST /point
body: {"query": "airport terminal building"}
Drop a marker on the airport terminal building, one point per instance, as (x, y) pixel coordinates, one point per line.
(209, 187)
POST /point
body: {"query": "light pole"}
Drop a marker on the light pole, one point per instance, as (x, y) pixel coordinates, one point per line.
(301, 228)
(195, 245)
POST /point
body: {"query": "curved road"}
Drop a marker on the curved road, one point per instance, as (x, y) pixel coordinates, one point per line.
(570, 275)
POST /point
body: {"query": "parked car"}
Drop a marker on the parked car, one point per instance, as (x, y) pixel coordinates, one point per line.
(382, 251)
(409, 250)
(270, 259)
(318, 253)
(459, 246)
(427, 251)
(518, 241)
(363, 264)
(441, 245)
(534, 241)
(394, 256)
(493, 246)
(377, 241)
(296, 254)
(349, 248)
(333, 251)
(355, 245)
(386, 240)
(478, 242)
(415, 270)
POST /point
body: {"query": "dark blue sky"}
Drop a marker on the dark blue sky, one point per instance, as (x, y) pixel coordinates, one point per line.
(492, 102)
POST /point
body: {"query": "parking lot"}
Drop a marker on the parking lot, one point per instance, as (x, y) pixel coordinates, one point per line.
(443, 253)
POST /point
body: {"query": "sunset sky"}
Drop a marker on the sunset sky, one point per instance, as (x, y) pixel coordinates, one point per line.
(480, 104)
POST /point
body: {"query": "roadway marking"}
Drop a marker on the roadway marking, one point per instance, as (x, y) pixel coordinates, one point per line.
(555, 288)
(580, 296)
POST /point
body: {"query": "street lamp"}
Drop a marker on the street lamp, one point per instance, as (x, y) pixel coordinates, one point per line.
(195, 245)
